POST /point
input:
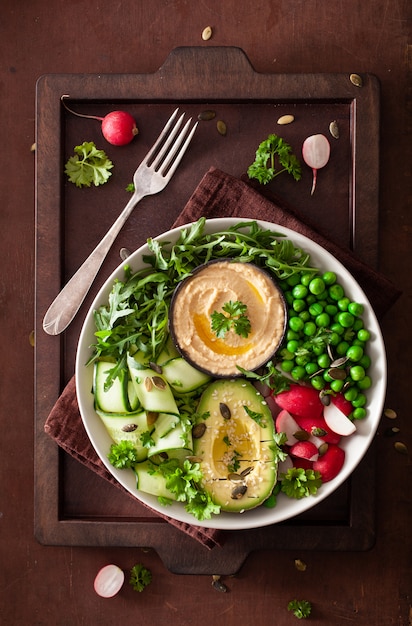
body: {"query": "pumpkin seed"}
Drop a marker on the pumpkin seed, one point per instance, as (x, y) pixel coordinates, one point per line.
(218, 585)
(301, 435)
(155, 367)
(286, 119)
(400, 447)
(221, 128)
(356, 80)
(225, 411)
(194, 459)
(124, 253)
(198, 430)
(336, 373)
(317, 431)
(246, 471)
(151, 417)
(390, 414)
(324, 398)
(129, 428)
(206, 116)
(207, 33)
(148, 383)
(338, 362)
(32, 339)
(323, 448)
(235, 478)
(238, 492)
(300, 565)
(390, 432)
(334, 129)
(159, 383)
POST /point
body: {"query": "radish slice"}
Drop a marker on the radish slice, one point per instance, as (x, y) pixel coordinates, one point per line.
(109, 581)
(316, 153)
(337, 420)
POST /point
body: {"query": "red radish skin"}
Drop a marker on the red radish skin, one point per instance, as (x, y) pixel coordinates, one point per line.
(309, 424)
(300, 463)
(344, 405)
(316, 153)
(300, 401)
(330, 464)
(118, 127)
(305, 450)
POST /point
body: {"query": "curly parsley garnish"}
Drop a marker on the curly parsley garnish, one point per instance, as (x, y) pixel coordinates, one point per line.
(299, 483)
(123, 455)
(301, 608)
(233, 318)
(140, 577)
(264, 166)
(88, 165)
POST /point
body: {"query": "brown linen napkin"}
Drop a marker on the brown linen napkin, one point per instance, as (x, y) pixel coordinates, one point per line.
(218, 195)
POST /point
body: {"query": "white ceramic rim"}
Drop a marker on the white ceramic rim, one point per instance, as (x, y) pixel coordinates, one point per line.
(355, 446)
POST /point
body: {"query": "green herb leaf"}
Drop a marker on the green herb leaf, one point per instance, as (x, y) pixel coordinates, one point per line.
(256, 417)
(299, 483)
(123, 455)
(264, 166)
(88, 165)
(234, 317)
(140, 577)
(301, 608)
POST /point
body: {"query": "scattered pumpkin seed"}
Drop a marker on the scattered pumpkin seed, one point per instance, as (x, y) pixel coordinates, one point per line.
(317, 431)
(235, 478)
(198, 430)
(323, 448)
(148, 383)
(390, 432)
(334, 129)
(225, 411)
(33, 147)
(124, 253)
(207, 33)
(238, 492)
(194, 459)
(151, 417)
(206, 116)
(286, 119)
(155, 367)
(300, 565)
(221, 128)
(336, 373)
(129, 428)
(390, 414)
(32, 339)
(218, 585)
(246, 471)
(324, 398)
(356, 80)
(338, 362)
(301, 435)
(159, 383)
(400, 447)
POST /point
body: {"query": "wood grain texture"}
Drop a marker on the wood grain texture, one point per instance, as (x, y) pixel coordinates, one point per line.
(53, 584)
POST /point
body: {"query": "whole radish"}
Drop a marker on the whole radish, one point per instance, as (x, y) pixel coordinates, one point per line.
(118, 127)
(316, 152)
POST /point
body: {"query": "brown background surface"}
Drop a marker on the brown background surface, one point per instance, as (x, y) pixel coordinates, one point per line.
(53, 585)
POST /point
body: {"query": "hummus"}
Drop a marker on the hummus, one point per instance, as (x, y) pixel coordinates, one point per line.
(211, 287)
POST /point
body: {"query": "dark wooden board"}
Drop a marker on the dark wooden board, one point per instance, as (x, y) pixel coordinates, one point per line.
(72, 505)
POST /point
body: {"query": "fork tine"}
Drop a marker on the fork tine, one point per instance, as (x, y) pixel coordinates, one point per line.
(161, 136)
(163, 150)
(179, 149)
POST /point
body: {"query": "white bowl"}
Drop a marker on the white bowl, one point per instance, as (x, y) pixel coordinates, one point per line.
(355, 446)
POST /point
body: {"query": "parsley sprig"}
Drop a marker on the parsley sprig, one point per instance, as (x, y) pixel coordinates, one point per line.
(264, 166)
(233, 318)
(299, 483)
(88, 165)
(140, 577)
(301, 608)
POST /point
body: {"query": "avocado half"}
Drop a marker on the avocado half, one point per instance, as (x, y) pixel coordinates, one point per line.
(233, 440)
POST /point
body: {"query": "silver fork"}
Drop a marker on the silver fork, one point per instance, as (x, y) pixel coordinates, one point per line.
(152, 175)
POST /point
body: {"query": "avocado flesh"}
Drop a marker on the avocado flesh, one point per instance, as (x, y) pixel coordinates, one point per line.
(236, 444)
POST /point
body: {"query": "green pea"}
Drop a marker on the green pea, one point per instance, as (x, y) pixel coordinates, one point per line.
(304, 315)
(287, 366)
(311, 368)
(363, 334)
(306, 278)
(324, 360)
(292, 345)
(346, 319)
(296, 323)
(365, 361)
(358, 324)
(288, 297)
(309, 329)
(317, 349)
(315, 309)
(300, 291)
(359, 413)
(310, 299)
(354, 353)
(336, 292)
(337, 328)
(293, 280)
(322, 320)
(342, 348)
(286, 355)
(355, 308)
(316, 286)
(331, 309)
(298, 372)
(318, 382)
(357, 372)
(334, 339)
(343, 303)
(329, 278)
(302, 359)
(291, 334)
(351, 394)
(360, 399)
(298, 305)
(337, 385)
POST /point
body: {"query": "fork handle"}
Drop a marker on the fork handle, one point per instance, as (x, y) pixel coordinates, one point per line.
(66, 304)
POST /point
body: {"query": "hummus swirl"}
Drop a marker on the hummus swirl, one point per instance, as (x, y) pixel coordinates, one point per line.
(207, 291)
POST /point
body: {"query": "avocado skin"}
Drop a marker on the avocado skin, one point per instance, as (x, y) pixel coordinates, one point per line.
(233, 442)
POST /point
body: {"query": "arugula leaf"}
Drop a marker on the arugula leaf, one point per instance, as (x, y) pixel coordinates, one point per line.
(88, 165)
(299, 483)
(301, 608)
(234, 317)
(140, 577)
(123, 455)
(264, 169)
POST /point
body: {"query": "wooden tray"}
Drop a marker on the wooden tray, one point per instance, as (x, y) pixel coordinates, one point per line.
(73, 506)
